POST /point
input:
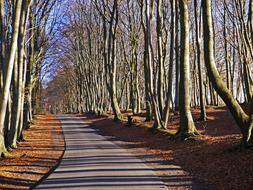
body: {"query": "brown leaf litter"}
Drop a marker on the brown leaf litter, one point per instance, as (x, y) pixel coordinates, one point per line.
(35, 157)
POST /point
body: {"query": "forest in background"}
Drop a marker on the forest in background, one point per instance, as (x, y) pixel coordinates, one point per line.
(161, 57)
(27, 30)
(158, 56)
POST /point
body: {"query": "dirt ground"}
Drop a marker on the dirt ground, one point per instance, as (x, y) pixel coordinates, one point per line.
(35, 157)
(211, 159)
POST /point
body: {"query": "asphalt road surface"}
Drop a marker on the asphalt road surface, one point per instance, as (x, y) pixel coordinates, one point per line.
(91, 162)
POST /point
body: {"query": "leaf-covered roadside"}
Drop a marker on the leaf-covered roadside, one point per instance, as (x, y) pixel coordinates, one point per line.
(35, 157)
(213, 159)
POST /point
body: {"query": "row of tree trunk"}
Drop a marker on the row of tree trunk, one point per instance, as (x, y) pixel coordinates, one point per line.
(150, 55)
(21, 41)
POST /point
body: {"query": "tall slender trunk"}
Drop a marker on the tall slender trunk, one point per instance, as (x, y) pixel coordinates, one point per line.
(226, 47)
(18, 91)
(171, 64)
(159, 24)
(177, 55)
(21, 123)
(112, 61)
(148, 48)
(12, 132)
(147, 87)
(187, 126)
(200, 73)
(28, 85)
(2, 41)
(244, 121)
(8, 76)
(145, 63)
(138, 98)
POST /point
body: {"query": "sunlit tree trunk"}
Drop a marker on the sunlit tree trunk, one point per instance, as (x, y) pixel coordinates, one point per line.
(113, 62)
(18, 81)
(8, 73)
(159, 31)
(187, 126)
(148, 51)
(171, 64)
(244, 121)
(145, 63)
(133, 57)
(28, 85)
(226, 47)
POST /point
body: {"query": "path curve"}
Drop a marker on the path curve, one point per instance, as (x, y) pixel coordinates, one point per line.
(91, 162)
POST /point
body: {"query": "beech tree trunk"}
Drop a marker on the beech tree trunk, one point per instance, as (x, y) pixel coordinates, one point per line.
(8, 75)
(159, 32)
(187, 126)
(177, 55)
(244, 121)
(200, 72)
(171, 64)
(2, 40)
(19, 89)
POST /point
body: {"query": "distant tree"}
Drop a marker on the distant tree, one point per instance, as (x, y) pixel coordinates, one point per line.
(14, 64)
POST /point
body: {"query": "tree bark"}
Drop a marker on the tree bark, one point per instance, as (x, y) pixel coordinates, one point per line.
(2, 41)
(159, 25)
(8, 76)
(171, 64)
(112, 60)
(244, 121)
(187, 126)
(177, 55)
(200, 72)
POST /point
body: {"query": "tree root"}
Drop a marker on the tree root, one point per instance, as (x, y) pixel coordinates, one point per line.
(5, 154)
(182, 136)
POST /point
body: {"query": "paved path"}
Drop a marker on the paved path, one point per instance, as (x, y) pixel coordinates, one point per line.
(91, 162)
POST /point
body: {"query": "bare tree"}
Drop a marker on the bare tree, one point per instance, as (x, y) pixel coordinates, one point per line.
(244, 121)
(187, 126)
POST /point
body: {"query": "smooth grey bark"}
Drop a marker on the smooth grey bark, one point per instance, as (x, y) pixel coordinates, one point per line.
(187, 126)
(28, 82)
(133, 58)
(244, 121)
(15, 106)
(200, 70)
(21, 122)
(171, 64)
(109, 51)
(7, 78)
(149, 61)
(149, 113)
(247, 49)
(160, 89)
(177, 55)
(226, 47)
(2, 41)
(19, 88)
(112, 61)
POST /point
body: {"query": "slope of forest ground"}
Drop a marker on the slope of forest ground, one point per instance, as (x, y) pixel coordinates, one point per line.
(35, 157)
(212, 159)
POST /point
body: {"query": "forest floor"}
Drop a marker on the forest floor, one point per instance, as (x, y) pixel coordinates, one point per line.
(34, 158)
(212, 159)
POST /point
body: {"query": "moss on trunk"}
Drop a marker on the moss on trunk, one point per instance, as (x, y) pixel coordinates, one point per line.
(244, 121)
(187, 126)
